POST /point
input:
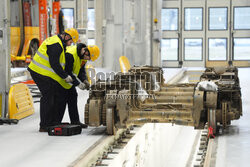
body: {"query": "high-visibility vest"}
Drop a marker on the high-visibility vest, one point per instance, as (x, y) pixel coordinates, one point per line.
(77, 61)
(40, 63)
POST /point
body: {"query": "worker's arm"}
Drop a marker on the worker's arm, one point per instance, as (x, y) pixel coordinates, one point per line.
(54, 51)
(82, 74)
(83, 77)
(69, 68)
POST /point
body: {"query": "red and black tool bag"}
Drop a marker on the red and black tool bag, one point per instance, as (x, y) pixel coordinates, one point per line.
(64, 130)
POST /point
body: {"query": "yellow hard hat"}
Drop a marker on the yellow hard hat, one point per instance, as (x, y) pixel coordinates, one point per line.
(94, 52)
(73, 33)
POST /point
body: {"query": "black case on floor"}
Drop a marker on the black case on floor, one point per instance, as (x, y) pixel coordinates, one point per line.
(64, 130)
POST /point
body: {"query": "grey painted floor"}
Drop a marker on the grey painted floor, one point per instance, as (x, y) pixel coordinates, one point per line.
(233, 147)
(22, 145)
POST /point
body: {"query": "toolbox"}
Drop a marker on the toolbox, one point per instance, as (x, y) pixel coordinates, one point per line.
(64, 130)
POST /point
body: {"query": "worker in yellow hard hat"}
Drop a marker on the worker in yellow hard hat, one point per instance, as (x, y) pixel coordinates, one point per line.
(93, 52)
(76, 58)
(47, 70)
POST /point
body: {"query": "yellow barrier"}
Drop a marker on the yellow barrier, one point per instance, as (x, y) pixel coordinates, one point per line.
(20, 102)
(90, 71)
(124, 64)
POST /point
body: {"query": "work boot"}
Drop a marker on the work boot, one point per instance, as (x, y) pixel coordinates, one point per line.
(43, 129)
(81, 124)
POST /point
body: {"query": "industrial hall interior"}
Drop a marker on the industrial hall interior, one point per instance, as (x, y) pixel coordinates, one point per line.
(124, 83)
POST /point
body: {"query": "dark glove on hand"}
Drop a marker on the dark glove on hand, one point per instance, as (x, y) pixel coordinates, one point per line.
(86, 82)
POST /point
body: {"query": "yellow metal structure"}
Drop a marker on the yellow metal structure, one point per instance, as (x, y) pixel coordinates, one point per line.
(14, 41)
(20, 102)
(91, 74)
(124, 64)
(30, 33)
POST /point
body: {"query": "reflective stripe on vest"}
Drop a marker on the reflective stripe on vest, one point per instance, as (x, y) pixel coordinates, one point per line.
(40, 63)
(46, 58)
(45, 67)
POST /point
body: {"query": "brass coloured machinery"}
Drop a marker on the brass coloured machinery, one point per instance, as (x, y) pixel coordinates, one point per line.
(141, 96)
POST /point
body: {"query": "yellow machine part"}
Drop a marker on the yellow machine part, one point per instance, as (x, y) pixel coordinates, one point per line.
(20, 102)
(124, 64)
(30, 33)
(14, 41)
(90, 71)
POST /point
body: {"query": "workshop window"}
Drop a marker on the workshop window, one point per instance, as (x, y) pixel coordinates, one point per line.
(242, 18)
(193, 49)
(169, 49)
(217, 49)
(91, 19)
(241, 49)
(91, 41)
(193, 18)
(169, 19)
(68, 14)
(217, 19)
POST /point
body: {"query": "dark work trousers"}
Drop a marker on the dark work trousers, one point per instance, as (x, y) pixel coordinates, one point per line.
(49, 90)
(71, 101)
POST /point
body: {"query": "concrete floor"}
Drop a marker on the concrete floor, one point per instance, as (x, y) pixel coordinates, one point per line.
(22, 145)
(233, 147)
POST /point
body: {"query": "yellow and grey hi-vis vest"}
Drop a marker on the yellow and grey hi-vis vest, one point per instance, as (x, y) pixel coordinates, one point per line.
(40, 63)
(77, 61)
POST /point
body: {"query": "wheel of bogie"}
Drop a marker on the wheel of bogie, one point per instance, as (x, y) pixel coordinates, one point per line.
(110, 121)
(86, 114)
(103, 114)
